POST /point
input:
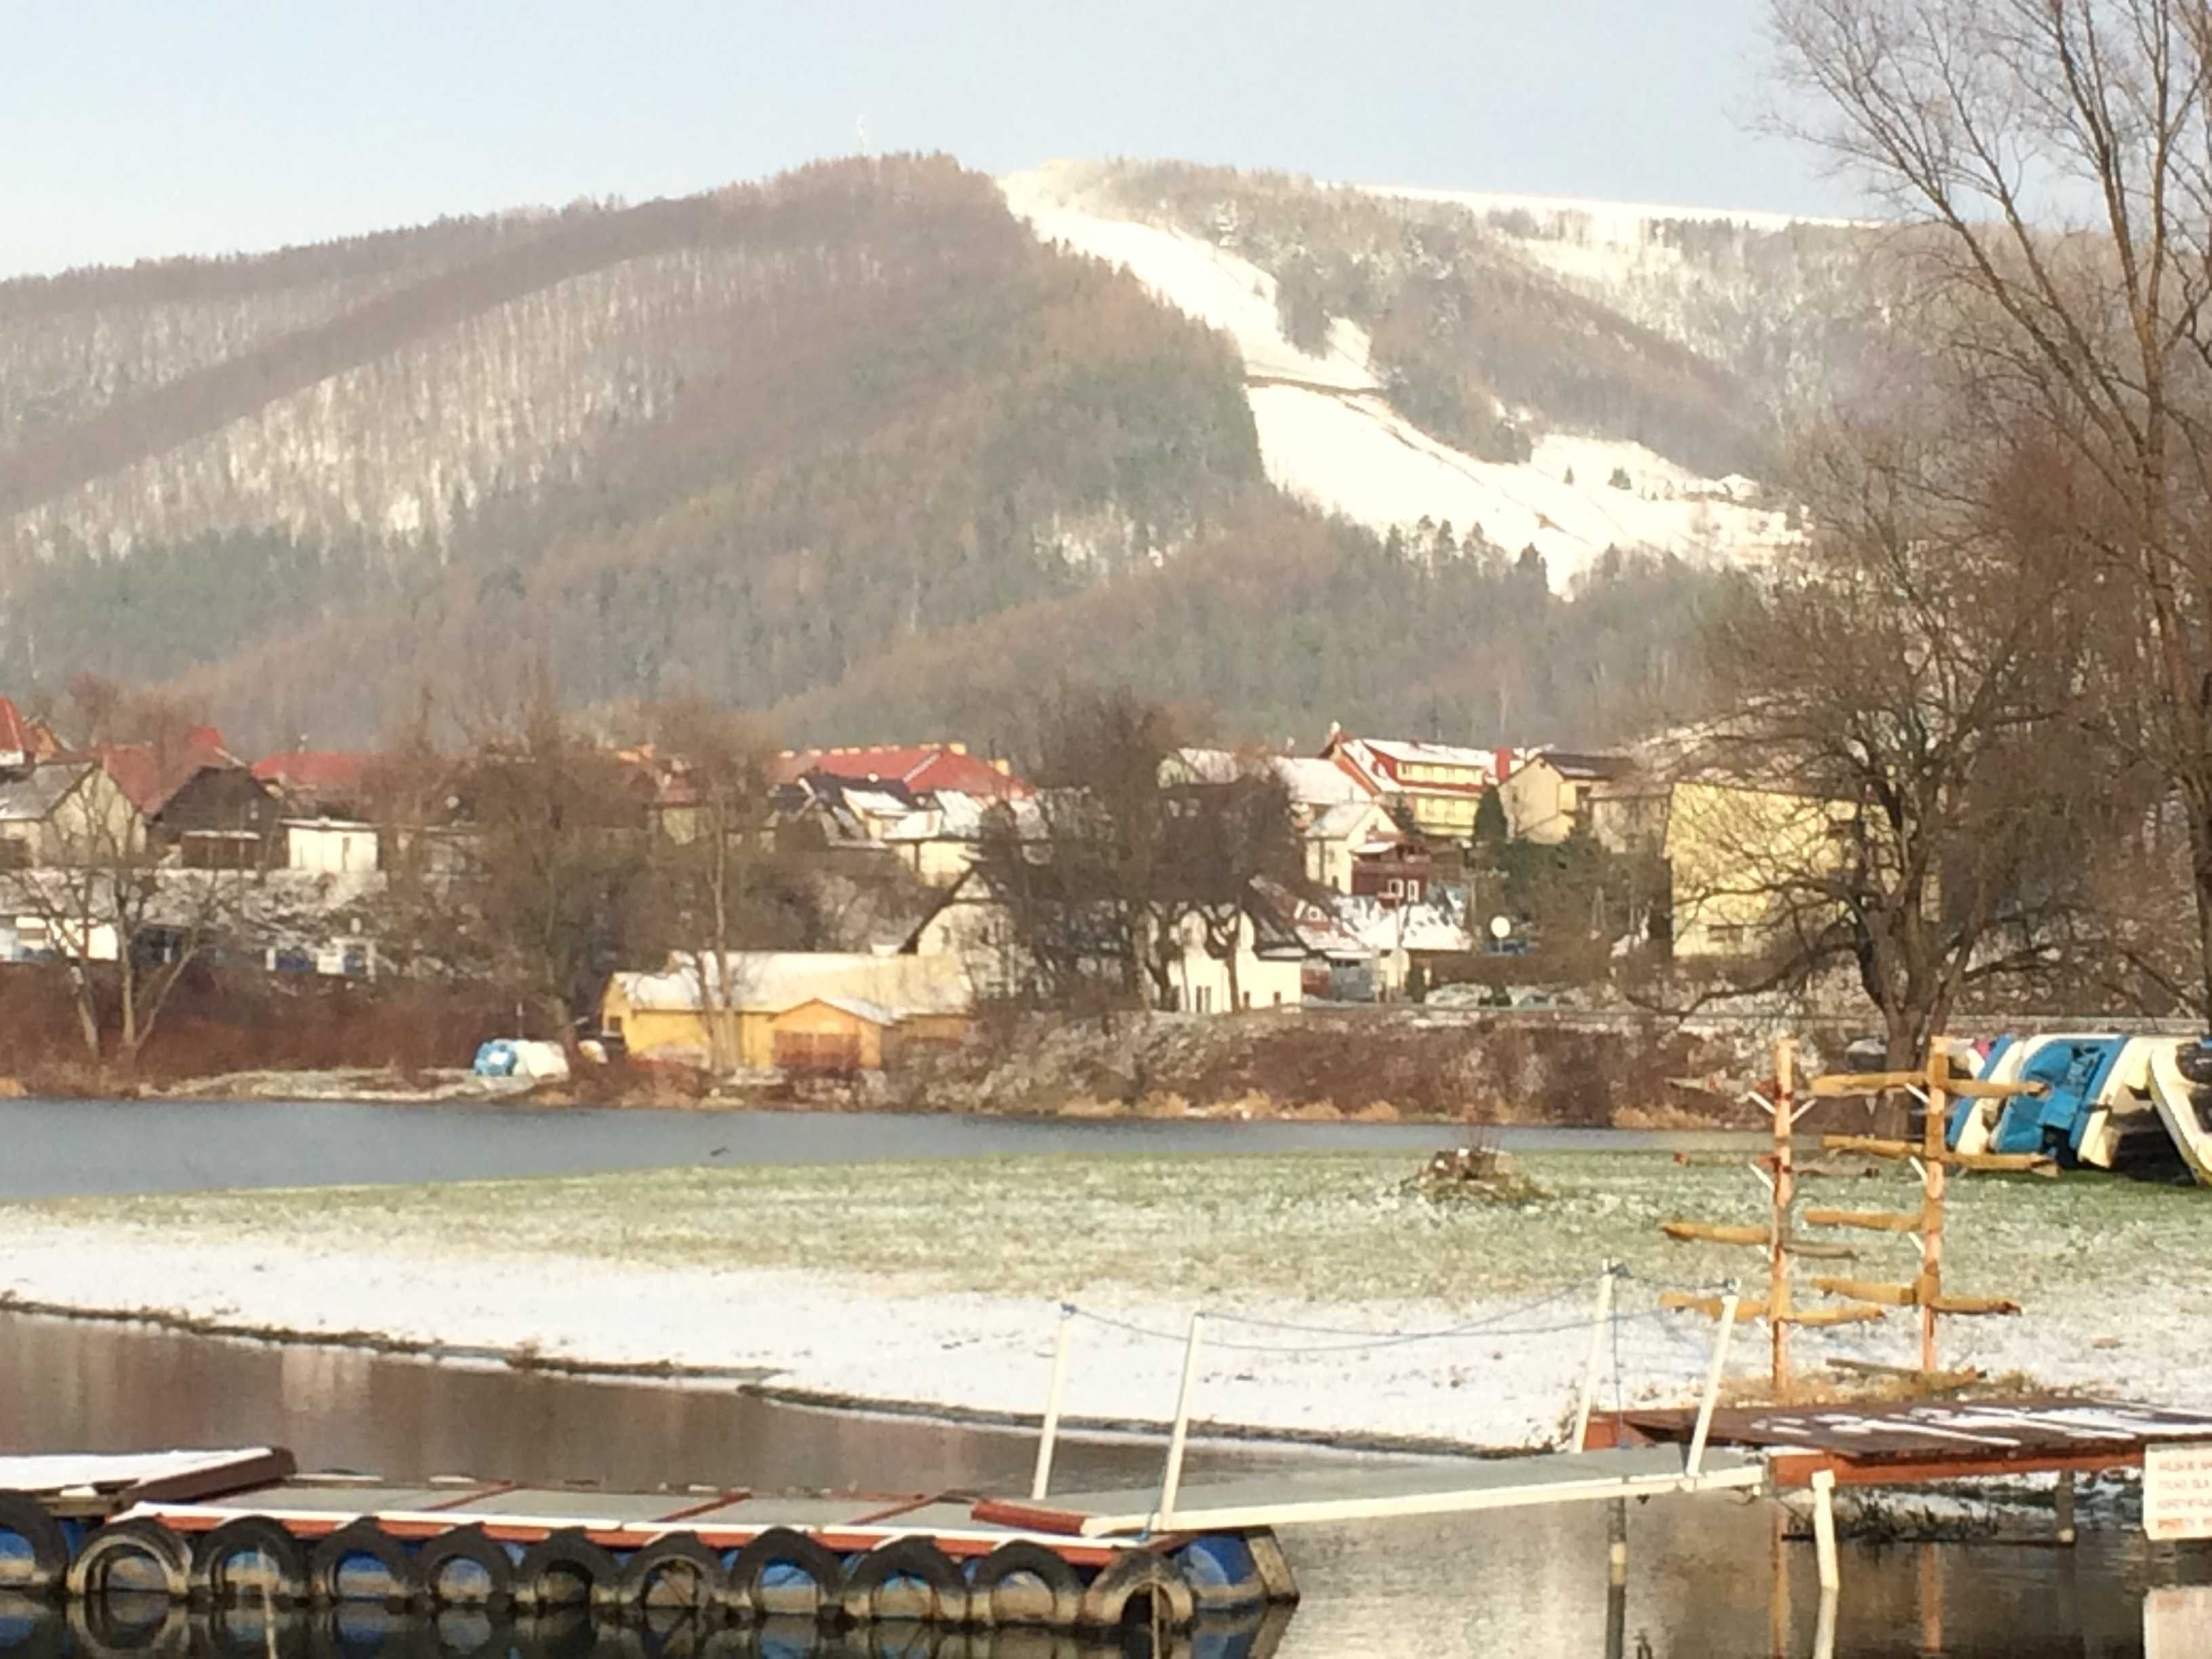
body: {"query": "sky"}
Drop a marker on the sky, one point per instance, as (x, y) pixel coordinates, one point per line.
(134, 129)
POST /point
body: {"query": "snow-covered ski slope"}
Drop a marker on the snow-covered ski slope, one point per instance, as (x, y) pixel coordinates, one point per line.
(1328, 435)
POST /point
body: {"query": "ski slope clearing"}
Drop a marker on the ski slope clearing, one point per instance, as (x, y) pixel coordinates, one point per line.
(1198, 278)
(1329, 436)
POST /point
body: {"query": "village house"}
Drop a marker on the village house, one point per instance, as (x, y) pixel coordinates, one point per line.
(788, 1010)
(66, 812)
(1207, 973)
(1338, 837)
(915, 768)
(1437, 787)
(1552, 794)
(938, 841)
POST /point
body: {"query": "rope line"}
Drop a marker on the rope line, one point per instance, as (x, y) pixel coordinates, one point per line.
(1386, 1340)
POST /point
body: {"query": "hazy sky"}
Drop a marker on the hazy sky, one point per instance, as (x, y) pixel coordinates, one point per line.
(131, 128)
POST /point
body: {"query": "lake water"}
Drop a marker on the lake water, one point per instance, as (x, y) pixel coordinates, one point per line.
(57, 1147)
(1703, 1577)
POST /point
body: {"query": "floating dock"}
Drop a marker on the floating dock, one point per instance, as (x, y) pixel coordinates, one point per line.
(213, 1529)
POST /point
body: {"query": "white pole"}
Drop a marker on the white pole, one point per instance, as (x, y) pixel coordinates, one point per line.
(1713, 1384)
(1049, 1437)
(1824, 1633)
(1171, 1479)
(1596, 1357)
(1824, 1529)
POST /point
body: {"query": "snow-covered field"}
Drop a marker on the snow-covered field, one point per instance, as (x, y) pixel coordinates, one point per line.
(1328, 435)
(938, 1284)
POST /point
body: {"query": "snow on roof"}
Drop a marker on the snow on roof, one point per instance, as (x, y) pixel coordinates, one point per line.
(1433, 926)
(860, 1007)
(1336, 822)
(30, 798)
(772, 981)
(1314, 781)
(920, 767)
(875, 803)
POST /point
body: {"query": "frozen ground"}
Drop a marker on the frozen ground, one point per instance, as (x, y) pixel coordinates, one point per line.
(1328, 435)
(938, 1284)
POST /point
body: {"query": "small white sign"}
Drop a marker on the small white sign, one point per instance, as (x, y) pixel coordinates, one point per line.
(2178, 1621)
(2177, 1491)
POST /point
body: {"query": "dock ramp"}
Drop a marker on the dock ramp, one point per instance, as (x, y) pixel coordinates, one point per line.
(1339, 1491)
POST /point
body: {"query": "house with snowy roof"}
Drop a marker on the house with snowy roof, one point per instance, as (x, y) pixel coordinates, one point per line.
(787, 1009)
(1437, 787)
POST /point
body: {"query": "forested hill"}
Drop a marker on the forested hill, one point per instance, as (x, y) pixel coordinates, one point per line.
(851, 446)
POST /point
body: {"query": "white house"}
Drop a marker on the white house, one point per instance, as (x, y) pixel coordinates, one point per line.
(329, 847)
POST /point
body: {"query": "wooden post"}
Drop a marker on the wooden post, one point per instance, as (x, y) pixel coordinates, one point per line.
(1824, 1529)
(1049, 1438)
(1179, 1437)
(1784, 1190)
(1712, 1395)
(1600, 1319)
(1931, 1204)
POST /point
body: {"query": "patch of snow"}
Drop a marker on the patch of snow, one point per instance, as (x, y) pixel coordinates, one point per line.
(1591, 220)
(1327, 435)
(1355, 455)
(1203, 280)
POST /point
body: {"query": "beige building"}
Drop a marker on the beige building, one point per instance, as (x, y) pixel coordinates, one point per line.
(1739, 856)
(67, 812)
(1550, 795)
(806, 1010)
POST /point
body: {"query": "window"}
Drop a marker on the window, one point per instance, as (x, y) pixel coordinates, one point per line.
(613, 1022)
(1248, 999)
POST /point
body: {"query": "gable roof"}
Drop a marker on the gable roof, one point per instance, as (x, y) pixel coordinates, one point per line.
(150, 773)
(775, 982)
(1380, 763)
(919, 767)
(313, 772)
(1582, 766)
(31, 797)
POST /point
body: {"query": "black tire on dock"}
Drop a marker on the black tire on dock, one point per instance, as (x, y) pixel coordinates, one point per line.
(782, 1546)
(541, 1576)
(1133, 1574)
(247, 1536)
(359, 1538)
(472, 1546)
(915, 1557)
(44, 1561)
(169, 1570)
(676, 1558)
(995, 1598)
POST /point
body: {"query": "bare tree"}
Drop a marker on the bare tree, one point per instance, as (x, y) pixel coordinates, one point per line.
(123, 927)
(2054, 157)
(1910, 783)
(714, 850)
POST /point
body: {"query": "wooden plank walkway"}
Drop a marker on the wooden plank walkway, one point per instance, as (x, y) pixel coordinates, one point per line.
(1903, 1444)
(1339, 1491)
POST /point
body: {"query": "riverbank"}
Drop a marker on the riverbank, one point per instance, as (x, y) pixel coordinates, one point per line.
(1374, 1065)
(936, 1284)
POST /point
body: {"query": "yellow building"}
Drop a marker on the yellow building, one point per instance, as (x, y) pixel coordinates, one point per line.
(793, 1009)
(1745, 861)
(1550, 795)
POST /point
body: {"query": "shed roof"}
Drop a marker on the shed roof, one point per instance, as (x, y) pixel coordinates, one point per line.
(774, 981)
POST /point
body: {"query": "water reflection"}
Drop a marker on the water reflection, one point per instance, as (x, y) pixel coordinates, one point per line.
(121, 1624)
(1703, 1577)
